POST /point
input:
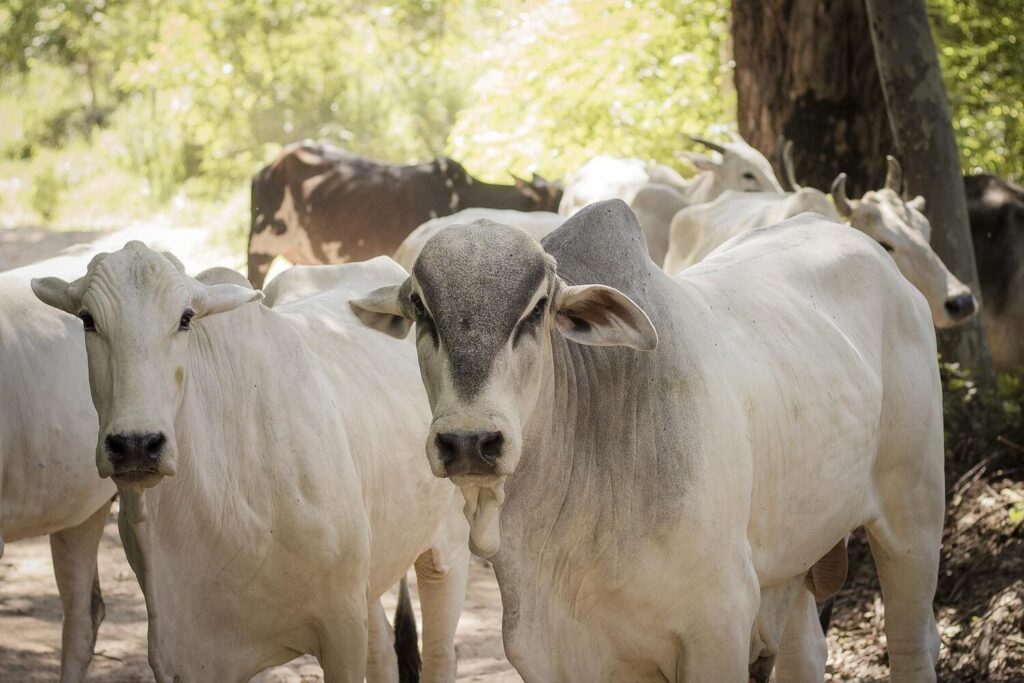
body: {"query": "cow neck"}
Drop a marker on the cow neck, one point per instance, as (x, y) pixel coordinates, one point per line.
(486, 195)
(240, 366)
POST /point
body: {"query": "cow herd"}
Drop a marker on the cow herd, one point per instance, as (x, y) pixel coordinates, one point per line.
(661, 404)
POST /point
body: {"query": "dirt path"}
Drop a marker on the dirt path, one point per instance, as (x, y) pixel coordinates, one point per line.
(30, 617)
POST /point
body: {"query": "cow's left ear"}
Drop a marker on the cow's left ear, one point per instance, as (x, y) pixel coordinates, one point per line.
(212, 299)
(382, 310)
(58, 293)
(597, 315)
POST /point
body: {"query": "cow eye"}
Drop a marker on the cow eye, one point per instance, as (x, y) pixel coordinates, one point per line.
(87, 321)
(885, 245)
(186, 319)
(418, 307)
(749, 176)
(538, 311)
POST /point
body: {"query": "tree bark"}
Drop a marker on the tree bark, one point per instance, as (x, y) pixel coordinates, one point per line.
(920, 118)
(805, 71)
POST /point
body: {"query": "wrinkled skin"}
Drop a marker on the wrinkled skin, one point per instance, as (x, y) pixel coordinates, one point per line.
(653, 464)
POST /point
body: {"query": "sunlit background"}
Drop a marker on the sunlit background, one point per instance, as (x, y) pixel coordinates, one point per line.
(113, 111)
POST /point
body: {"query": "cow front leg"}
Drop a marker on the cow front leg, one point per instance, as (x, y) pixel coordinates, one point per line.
(716, 642)
(441, 574)
(803, 651)
(344, 642)
(74, 565)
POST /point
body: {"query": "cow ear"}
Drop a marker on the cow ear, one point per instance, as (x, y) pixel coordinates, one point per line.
(526, 188)
(702, 162)
(917, 203)
(382, 310)
(58, 293)
(213, 299)
(597, 315)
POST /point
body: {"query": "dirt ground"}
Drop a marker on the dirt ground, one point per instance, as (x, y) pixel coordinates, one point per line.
(980, 602)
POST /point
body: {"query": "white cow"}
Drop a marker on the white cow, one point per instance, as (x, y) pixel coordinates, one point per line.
(698, 230)
(655, 205)
(48, 484)
(653, 463)
(740, 167)
(898, 226)
(267, 463)
(537, 223)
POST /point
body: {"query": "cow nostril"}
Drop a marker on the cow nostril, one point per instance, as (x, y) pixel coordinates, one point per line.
(490, 445)
(154, 444)
(446, 447)
(117, 446)
(961, 306)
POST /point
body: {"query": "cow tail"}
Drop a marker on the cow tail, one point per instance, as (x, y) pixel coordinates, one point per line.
(406, 647)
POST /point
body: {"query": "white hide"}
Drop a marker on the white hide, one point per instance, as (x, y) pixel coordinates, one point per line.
(299, 492)
(537, 223)
(698, 230)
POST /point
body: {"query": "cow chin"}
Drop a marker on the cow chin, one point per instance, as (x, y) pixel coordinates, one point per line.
(484, 497)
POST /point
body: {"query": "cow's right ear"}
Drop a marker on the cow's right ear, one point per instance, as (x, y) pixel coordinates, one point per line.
(702, 162)
(58, 293)
(383, 309)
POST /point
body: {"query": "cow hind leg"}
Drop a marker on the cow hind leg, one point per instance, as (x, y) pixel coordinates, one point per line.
(74, 564)
(381, 665)
(441, 575)
(344, 647)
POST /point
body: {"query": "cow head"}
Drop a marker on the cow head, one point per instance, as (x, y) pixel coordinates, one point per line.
(905, 233)
(541, 194)
(487, 301)
(741, 167)
(138, 309)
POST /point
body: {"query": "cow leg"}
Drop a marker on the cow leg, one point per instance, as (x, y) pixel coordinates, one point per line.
(716, 645)
(441, 575)
(803, 651)
(343, 652)
(74, 564)
(381, 665)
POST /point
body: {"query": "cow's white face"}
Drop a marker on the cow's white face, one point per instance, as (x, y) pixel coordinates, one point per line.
(741, 167)
(487, 302)
(138, 307)
(905, 233)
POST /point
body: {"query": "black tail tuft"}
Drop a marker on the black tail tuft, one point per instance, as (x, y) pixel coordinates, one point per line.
(406, 647)
(824, 613)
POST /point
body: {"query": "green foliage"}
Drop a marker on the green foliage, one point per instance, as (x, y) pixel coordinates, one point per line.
(46, 193)
(981, 420)
(164, 96)
(981, 44)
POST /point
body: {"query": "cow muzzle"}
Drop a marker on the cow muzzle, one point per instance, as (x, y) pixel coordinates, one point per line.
(961, 307)
(137, 458)
(473, 453)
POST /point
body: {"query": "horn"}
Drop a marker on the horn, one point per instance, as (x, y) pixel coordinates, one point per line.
(894, 175)
(839, 195)
(787, 162)
(707, 143)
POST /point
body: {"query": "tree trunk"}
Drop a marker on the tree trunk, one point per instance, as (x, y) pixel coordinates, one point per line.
(805, 71)
(920, 117)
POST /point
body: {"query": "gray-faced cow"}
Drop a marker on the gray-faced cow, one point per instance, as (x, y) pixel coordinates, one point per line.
(316, 204)
(654, 464)
(267, 461)
(48, 484)
(996, 209)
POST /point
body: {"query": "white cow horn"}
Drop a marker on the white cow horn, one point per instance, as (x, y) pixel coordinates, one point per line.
(787, 162)
(894, 175)
(707, 143)
(839, 195)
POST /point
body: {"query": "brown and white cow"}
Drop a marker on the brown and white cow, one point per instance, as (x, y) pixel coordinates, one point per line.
(316, 204)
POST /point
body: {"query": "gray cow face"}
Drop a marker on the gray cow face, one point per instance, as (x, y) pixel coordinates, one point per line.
(137, 307)
(486, 301)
